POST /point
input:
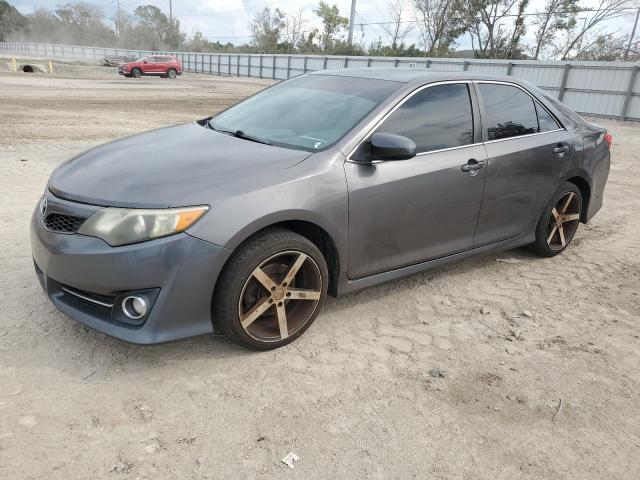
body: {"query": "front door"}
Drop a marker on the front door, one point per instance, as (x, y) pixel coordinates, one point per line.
(527, 153)
(152, 66)
(406, 212)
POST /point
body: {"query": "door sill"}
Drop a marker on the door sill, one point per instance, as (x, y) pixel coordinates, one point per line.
(347, 285)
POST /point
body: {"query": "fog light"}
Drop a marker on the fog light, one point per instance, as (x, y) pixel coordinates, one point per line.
(134, 307)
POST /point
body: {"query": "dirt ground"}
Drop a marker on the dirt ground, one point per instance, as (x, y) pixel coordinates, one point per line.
(457, 373)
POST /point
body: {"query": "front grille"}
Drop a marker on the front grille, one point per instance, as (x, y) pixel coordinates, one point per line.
(57, 222)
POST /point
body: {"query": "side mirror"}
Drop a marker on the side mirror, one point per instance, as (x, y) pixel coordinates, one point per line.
(144, 61)
(389, 146)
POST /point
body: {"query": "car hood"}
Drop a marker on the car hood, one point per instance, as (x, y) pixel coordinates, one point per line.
(169, 167)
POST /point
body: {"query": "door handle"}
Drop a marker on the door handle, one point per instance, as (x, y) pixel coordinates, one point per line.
(561, 149)
(472, 166)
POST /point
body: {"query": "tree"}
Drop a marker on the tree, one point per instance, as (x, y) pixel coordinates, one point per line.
(514, 48)
(198, 43)
(308, 44)
(608, 47)
(332, 23)
(71, 23)
(486, 21)
(440, 22)
(580, 38)
(295, 25)
(11, 21)
(167, 32)
(557, 16)
(266, 28)
(397, 29)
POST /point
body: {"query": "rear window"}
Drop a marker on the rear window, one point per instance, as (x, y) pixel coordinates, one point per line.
(509, 112)
(546, 121)
(571, 117)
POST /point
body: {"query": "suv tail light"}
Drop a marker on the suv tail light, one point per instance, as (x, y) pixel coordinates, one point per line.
(608, 138)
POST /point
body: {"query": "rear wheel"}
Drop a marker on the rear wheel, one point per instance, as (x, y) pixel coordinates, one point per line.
(171, 73)
(559, 222)
(271, 291)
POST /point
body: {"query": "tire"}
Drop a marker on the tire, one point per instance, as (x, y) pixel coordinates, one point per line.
(251, 311)
(136, 73)
(172, 73)
(559, 221)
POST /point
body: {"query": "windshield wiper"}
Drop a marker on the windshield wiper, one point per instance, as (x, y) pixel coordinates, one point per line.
(238, 134)
(241, 134)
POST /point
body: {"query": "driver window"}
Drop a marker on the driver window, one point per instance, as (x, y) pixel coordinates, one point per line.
(435, 118)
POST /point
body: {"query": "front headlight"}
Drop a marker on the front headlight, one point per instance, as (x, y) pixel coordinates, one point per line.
(121, 226)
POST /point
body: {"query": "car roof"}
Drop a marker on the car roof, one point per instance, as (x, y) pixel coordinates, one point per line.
(421, 76)
(411, 75)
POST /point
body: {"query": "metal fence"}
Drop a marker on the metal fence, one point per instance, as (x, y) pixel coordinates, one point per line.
(607, 89)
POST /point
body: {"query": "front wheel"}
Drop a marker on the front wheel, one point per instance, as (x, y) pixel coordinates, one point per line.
(271, 290)
(136, 73)
(559, 221)
(171, 73)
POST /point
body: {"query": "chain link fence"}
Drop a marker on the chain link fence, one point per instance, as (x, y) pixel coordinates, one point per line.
(606, 89)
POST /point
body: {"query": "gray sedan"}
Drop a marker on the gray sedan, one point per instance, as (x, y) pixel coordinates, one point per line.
(324, 184)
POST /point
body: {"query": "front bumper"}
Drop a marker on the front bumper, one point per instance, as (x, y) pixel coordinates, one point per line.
(178, 273)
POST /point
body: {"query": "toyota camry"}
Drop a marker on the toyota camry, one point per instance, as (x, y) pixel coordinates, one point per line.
(324, 184)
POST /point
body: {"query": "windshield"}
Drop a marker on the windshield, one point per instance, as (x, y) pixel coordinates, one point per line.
(310, 113)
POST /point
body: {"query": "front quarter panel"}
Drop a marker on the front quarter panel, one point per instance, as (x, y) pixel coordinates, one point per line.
(313, 190)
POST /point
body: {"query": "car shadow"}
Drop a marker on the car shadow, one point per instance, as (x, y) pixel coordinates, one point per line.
(113, 354)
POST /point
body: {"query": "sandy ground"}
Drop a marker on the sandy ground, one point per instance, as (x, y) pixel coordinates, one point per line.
(359, 395)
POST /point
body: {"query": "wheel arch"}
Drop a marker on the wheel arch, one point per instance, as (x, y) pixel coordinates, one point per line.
(311, 230)
(584, 186)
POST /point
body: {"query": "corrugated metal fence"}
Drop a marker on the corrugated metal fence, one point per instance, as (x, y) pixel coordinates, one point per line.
(608, 89)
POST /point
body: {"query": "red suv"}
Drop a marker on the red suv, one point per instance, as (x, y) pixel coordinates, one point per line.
(160, 65)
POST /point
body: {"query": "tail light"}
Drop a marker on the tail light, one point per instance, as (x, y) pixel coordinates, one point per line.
(609, 139)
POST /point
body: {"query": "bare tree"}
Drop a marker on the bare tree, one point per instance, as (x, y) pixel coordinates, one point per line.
(397, 28)
(558, 16)
(441, 22)
(581, 38)
(294, 27)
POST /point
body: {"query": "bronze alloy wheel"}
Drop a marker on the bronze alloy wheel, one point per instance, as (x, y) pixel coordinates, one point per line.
(563, 221)
(280, 296)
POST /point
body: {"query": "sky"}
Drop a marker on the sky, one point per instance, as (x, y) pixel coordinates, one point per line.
(228, 20)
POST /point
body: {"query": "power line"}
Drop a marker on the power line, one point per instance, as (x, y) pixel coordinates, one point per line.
(224, 36)
(586, 10)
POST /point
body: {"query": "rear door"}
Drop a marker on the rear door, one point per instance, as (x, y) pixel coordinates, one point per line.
(527, 152)
(409, 211)
(163, 64)
(155, 65)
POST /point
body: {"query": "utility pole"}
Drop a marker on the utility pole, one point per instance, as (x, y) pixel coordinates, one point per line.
(118, 20)
(170, 12)
(633, 34)
(352, 19)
